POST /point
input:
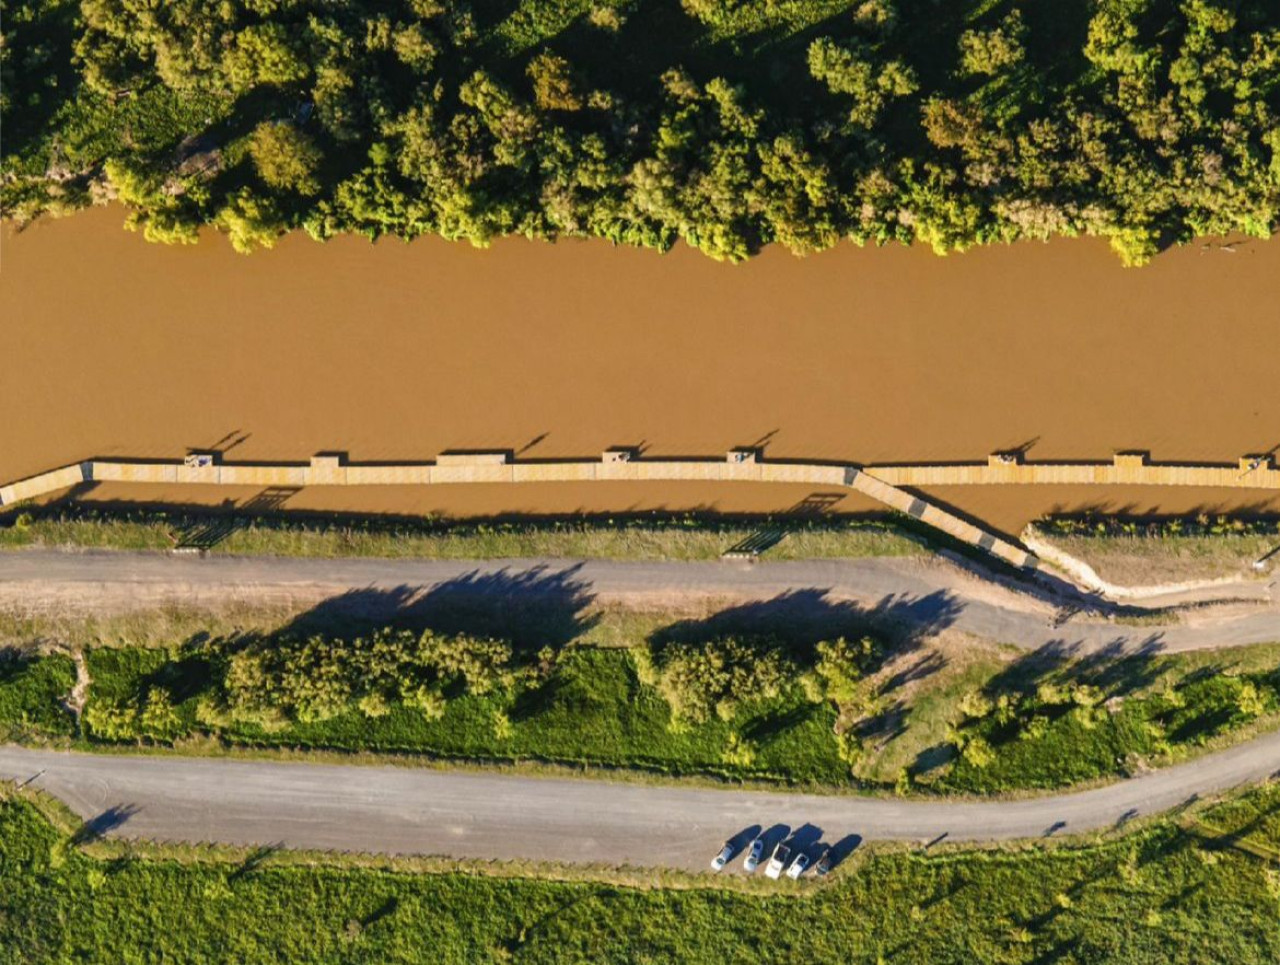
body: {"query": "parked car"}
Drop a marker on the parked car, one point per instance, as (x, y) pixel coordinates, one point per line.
(722, 859)
(824, 864)
(798, 866)
(781, 855)
(752, 861)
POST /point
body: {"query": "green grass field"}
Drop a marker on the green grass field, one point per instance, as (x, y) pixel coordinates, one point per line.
(652, 537)
(1197, 892)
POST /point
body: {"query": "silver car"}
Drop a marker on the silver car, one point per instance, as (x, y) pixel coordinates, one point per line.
(722, 859)
(754, 853)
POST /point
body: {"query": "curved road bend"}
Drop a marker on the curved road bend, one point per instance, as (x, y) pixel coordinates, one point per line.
(916, 591)
(501, 816)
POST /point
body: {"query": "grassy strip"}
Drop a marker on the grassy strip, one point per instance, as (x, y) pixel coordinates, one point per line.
(648, 537)
(1132, 552)
(1159, 895)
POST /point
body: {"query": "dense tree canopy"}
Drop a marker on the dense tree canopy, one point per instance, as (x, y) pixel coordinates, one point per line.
(729, 124)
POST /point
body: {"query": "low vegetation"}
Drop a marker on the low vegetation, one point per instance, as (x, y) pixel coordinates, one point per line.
(1145, 552)
(1046, 723)
(728, 125)
(33, 691)
(1200, 890)
(476, 699)
(622, 690)
(653, 536)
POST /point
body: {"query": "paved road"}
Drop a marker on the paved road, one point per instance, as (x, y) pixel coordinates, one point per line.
(483, 815)
(927, 593)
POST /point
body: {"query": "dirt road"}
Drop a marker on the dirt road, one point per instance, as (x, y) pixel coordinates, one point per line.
(931, 595)
(503, 816)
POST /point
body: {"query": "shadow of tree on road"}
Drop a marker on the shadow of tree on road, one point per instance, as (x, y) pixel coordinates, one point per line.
(803, 618)
(102, 824)
(533, 608)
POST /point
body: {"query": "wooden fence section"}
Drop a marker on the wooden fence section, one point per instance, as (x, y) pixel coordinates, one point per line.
(332, 469)
(885, 484)
(1251, 472)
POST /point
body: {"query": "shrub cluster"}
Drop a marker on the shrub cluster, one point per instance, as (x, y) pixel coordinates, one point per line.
(1064, 730)
(276, 681)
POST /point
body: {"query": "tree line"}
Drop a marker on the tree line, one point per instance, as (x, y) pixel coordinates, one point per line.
(729, 124)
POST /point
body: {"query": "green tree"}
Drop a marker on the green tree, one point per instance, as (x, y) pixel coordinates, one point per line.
(994, 51)
(702, 679)
(285, 158)
(250, 222)
(553, 87)
(263, 54)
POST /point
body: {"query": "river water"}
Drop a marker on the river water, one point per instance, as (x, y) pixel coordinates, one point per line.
(397, 351)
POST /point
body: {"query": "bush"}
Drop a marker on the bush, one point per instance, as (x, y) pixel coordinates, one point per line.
(702, 679)
(314, 679)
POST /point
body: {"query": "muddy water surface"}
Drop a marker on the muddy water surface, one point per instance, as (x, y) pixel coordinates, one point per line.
(395, 351)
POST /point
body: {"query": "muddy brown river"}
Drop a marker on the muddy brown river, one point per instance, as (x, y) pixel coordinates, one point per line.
(395, 351)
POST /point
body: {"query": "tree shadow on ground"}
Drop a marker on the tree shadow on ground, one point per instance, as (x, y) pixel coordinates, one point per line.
(803, 618)
(532, 608)
(924, 666)
(101, 824)
(887, 724)
(253, 861)
(1116, 670)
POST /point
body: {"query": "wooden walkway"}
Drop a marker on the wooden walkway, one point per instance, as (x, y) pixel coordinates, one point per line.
(887, 485)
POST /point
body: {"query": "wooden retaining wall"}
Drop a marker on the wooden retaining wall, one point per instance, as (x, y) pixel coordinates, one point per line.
(1127, 469)
(885, 484)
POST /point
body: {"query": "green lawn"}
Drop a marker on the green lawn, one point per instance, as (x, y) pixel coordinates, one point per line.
(646, 537)
(1161, 896)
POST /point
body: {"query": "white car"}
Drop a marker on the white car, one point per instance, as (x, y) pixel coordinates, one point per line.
(752, 861)
(798, 866)
(781, 855)
(722, 859)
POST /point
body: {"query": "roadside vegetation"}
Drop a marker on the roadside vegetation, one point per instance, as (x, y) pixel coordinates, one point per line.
(1045, 722)
(1134, 552)
(651, 536)
(473, 699)
(728, 125)
(848, 699)
(1199, 888)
